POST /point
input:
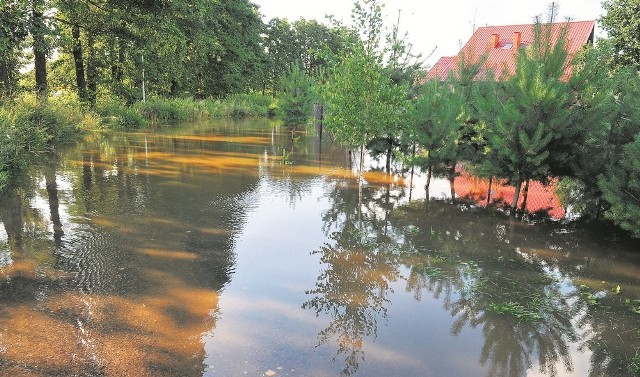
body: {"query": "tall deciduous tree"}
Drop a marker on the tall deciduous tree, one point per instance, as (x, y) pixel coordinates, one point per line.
(362, 99)
(41, 47)
(622, 23)
(13, 29)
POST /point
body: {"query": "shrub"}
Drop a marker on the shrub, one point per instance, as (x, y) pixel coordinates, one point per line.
(121, 117)
(28, 128)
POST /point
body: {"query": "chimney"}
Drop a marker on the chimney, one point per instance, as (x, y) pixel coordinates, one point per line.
(517, 39)
(494, 40)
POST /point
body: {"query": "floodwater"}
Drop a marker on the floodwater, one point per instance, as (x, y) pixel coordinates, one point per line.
(221, 249)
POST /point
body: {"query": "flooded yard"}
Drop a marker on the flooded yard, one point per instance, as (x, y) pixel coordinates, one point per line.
(221, 249)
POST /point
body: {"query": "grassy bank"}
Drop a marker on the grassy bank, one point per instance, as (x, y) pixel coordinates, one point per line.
(164, 111)
(29, 128)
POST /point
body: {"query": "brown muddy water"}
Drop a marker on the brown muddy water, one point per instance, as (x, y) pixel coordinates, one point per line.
(195, 251)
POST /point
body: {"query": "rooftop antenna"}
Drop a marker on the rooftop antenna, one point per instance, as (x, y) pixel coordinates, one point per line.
(473, 26)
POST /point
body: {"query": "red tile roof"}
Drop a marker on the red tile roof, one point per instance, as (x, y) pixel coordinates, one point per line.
(497, 43)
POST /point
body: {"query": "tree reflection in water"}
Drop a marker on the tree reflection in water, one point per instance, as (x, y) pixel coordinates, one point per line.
(483, 267)
(361, 263)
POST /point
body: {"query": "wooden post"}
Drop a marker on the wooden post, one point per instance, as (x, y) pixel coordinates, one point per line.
(318, 118)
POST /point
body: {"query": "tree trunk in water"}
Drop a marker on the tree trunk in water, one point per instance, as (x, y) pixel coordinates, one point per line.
(361, 171)
(39, 48)
(389, 153)
(413, 154)
(452, 181)
(426, 187)
(516, 196)
(78, 61)
(360, 179)
(489, 191)
(293, 133)
(525, 196)
(318, 118)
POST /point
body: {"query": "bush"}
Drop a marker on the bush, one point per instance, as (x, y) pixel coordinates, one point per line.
(121, 117)
(28, 128)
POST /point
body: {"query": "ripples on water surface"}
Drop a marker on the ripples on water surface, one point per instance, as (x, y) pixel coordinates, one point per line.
(196, 252)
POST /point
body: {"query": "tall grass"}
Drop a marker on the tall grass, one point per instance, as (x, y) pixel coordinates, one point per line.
(171, 111)
(242, 106)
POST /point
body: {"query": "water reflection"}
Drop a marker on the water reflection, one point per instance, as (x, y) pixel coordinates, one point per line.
(195, 251)
(361, 263)
(119, 272)
(517, 284)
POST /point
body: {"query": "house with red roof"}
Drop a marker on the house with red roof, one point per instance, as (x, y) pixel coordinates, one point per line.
(500, 44)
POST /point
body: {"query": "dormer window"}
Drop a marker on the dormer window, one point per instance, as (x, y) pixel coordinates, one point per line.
(507, 46)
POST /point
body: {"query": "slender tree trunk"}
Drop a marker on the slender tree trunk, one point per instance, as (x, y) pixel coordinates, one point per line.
(361, 172)
(92, 73)
(452, 181)
(318, 118)
(516, 196)
(39, 48)
(489, 191)
(389, 154)
(525, 196)
(599, 208)
(121, 60)
(413, 154)
(78, 61)
(426, 187)
(5, 79)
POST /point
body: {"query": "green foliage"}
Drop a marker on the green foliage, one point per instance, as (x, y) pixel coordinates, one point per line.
(622, 24)
(621, 189)
(121, 117)
(362, 101)
(435, 123)
(529, 131)
(305, 43)
(162, 110)
(28, 129)
(246, 105)
(296, 98)
(13, 30)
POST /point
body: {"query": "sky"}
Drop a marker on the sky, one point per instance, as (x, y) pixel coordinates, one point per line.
(440, 25)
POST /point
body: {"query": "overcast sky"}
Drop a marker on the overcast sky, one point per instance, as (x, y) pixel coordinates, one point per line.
(443, 24)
